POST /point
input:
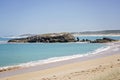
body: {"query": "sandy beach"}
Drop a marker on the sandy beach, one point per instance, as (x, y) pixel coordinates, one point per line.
(59, 39)
(102, 66)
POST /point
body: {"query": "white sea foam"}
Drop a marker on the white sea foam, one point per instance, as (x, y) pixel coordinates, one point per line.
(56, 59)
(101, 50)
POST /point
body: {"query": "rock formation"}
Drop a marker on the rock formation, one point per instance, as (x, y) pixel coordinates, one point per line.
(46, 38)
(104, 40)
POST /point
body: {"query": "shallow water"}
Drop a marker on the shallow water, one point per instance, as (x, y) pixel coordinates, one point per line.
(12, 54)
(15, 54)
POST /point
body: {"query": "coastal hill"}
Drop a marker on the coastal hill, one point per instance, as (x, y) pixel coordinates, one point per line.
(46, 38)
(104, 32)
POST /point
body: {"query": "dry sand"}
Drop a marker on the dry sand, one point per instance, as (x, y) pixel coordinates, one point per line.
(95, 69)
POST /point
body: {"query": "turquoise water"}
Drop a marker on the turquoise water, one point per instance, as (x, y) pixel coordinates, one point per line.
(12, 54)
(4, 39)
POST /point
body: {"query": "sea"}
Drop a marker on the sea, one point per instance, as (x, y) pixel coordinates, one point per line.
(31, 54)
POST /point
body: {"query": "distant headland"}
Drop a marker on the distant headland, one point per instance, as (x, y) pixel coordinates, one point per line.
(104, 32)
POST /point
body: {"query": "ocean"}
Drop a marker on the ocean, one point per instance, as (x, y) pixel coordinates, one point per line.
(30, 54)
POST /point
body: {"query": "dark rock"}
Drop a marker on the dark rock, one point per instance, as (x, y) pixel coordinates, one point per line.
(104, 40)
(85, 40)
(46, 38)
(78, 39)
(108, 39)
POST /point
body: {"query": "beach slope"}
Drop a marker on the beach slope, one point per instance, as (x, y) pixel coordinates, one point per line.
(95, 69)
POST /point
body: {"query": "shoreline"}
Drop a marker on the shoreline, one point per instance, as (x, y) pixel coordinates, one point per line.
(114, 50)
(52, 60)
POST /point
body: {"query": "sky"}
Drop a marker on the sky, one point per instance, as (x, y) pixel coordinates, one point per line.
(48, 16)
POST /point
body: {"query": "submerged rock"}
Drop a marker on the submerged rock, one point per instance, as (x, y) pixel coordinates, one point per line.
(46, 38)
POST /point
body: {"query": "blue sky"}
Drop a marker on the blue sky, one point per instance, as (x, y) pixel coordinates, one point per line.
(47, 16)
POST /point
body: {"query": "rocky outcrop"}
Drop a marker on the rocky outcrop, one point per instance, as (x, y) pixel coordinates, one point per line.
(104, 40)
(46, 38)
